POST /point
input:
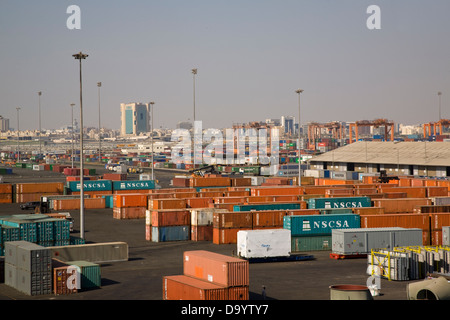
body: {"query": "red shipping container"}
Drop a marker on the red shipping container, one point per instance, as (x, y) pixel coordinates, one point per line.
(232, 219)
(182, 287)
(201, 233)
(268, 218)
(437, 192)
(198, 202)
(170, 217)
(129, 213)
(216, 268)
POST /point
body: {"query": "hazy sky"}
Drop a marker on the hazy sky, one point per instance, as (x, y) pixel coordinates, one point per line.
(251, 56)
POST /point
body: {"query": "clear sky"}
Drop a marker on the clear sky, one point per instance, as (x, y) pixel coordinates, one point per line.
(251, 56)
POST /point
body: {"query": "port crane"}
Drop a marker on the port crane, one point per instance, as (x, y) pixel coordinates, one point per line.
(433, 128)
(388, 128)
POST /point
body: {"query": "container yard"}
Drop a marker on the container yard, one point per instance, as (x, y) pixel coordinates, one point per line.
(174, 234)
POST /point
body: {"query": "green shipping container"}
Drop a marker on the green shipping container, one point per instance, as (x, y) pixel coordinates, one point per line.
(340, 202)
(313, 243)
(91, 185)
(90, 273)
(322, 224)
(134, 185)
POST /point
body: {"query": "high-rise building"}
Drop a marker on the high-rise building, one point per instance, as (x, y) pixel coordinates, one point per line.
(4, 124)
(288, 122)
(135, 118)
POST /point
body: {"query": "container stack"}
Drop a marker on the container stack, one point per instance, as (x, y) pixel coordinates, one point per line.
(40, 229)
(129, 206)
(25, 192)
(28, 268)
(170, 225)
(313, 232)
(208, 276)
(90, 273)
(6, 193)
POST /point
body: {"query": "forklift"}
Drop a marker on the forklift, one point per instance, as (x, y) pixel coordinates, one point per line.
(384, 178)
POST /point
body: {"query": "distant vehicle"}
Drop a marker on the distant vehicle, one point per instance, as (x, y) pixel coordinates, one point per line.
(30, 205)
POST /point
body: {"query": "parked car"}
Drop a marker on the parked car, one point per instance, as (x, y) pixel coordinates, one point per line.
(30, 205)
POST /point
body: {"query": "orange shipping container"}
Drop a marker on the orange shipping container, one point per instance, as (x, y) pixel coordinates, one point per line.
(226, 235)
(181, 287)
(270, 191)
(6, 198)
(170, 217)
(240, 200)
(44, 187)
(74, 204)
(129, 213)
(437, 192)
(403, 205)
(404, 220)
(412, 192)
(268, 218)
(198, 202)
(216, 268)
(168, 203)
(369, 210)
(6, 188)
(130, 200)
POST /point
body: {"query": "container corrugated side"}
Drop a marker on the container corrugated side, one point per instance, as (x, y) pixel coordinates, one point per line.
(336, 203)
(181, 287)
(171, 233)
(320, 224)
(216, 268)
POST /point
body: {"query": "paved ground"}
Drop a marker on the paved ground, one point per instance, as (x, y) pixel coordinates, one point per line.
(140, 278)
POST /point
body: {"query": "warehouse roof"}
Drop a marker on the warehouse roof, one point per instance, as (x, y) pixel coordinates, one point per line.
(387, 152)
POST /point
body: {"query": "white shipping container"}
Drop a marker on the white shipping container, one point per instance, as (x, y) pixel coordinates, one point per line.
(441, 201)
(363, 240)
(264, 243)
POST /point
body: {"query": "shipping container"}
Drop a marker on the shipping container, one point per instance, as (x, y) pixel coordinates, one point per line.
(97, 185)
(226, 235)
(270, 206)
(170, 217)
(320, 224)
(264, 243)
(129, 213)
(310, 243)
(216, 268)
(404, 205)
(342, 202)
(130, 200)
(181, 287)
(64, 278)
(363, 240)
(171, 233)
(232, 220)
(90, 273)
(168, 203)
(201, 233)
(133, 185)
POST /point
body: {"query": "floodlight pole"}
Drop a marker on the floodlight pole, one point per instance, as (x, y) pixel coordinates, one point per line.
(299, 91)
(81, 56)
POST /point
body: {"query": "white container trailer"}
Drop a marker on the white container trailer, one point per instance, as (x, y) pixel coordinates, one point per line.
(264, 243)
(363, 240)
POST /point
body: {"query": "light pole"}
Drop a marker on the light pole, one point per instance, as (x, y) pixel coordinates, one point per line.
(18, 135)
(439, 95)
(152, 103)
(299, 91)
(72, 105)
(99, 84)
(194, 72)
(81, 56)
(39, 94)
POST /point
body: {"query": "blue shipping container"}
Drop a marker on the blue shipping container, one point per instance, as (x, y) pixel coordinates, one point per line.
(320, 224)
(171, 233)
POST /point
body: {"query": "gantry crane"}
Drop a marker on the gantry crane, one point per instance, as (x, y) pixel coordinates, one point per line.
(388, 128)
(335, 129)
(435, 126)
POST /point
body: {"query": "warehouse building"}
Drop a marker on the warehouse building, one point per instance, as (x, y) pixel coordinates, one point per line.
(418, 158)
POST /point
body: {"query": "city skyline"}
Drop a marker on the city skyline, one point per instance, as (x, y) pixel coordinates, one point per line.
(251, 56)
